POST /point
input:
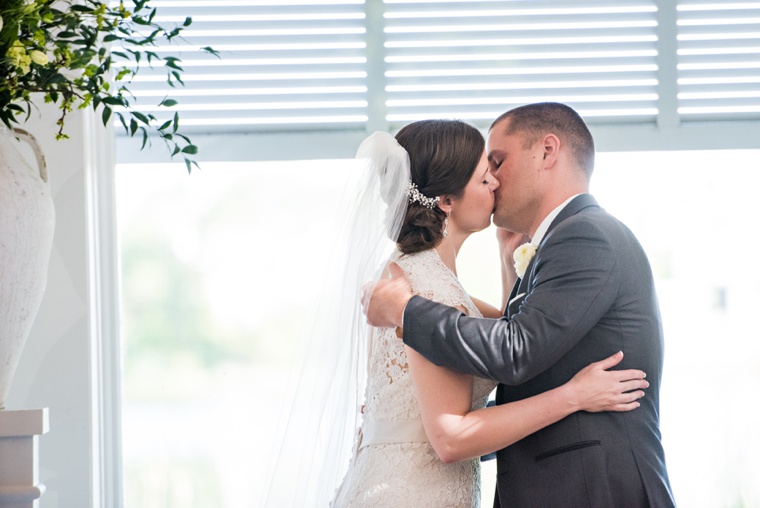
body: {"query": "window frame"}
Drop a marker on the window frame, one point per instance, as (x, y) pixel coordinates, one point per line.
(669, 132)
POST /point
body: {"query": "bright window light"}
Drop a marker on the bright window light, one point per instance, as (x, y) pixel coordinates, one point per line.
(523, 70)
(601, 39)
(216, 282)
(437, 87)
(521, 27)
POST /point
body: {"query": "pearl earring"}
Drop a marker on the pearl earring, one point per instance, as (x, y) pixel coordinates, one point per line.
(446, 226)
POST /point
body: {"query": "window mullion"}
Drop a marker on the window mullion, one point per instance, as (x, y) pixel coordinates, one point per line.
(667, 64)
(377, 110)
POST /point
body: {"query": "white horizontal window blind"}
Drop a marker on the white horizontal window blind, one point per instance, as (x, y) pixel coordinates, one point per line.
(289, 64)
(718, 60)
(293, 69)
(476, 59)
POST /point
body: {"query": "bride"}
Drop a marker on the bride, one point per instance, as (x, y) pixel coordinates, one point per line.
(423, 428)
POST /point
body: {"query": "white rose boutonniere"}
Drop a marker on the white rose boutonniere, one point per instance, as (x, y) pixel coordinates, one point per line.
(522, 256)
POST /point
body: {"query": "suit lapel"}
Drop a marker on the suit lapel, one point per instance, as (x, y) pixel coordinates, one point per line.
(512, 295)
(576, 205)
(520, 289)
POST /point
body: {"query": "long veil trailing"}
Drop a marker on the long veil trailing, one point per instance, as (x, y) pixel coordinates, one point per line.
(318, 430)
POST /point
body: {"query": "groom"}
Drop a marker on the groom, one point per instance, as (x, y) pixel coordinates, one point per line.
(585, 294)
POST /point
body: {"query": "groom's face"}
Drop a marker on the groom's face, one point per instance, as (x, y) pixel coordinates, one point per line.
(517, 168)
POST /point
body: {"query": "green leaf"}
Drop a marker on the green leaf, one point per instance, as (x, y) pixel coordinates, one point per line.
(210, 50)
(177, 77)
(151, 37)
(123, 122)
(165, 125)
(190, 149)
(132, 127)
(168, 103)
(56, 78)
(114, 101)
(141, 117)
(145, 137)
(106, 114)
(171, 61)
(176, 122)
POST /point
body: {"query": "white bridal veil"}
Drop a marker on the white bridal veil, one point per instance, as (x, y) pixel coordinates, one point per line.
(318, 430)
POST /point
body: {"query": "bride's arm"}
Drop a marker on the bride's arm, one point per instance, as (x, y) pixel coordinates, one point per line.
(456, 433)
(487, 309)
(508, 242)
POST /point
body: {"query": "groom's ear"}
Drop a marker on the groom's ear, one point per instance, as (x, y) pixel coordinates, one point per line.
(551, 149)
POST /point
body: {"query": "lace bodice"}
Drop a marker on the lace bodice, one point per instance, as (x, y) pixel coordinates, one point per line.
(402, 473)
(389, 383)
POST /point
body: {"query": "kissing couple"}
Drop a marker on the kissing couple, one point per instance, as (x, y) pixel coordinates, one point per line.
(572, 352)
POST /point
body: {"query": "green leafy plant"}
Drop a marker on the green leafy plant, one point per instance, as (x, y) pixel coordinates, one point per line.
(85, 53)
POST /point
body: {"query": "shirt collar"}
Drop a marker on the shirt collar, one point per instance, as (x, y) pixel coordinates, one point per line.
(544, 226)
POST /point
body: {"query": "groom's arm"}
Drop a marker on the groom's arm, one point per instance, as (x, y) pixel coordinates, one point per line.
(576, 281)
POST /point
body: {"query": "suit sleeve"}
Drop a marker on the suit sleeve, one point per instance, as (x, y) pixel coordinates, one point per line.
(575, 283)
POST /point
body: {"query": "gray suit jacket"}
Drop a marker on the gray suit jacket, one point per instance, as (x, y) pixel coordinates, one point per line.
(587, 293)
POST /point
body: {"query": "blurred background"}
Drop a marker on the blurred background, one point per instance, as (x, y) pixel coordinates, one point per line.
(220, 268)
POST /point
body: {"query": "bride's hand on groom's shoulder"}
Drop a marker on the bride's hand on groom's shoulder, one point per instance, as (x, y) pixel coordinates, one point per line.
(596, 388)
(383, 301)
(508, 243)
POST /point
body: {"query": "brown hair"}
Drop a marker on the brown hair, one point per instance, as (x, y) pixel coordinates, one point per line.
(443, 155)
(539, 119)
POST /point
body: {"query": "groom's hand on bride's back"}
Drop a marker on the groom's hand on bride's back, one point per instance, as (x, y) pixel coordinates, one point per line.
(383, 301)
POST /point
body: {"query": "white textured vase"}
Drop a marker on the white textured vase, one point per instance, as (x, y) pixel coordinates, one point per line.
(27, 221)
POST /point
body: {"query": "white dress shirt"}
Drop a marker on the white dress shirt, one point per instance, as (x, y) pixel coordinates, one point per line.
(541, 231)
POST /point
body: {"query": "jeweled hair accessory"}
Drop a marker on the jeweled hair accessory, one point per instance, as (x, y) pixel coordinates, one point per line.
(415, 196)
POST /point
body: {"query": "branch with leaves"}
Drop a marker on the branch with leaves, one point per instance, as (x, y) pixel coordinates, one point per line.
(73, 52)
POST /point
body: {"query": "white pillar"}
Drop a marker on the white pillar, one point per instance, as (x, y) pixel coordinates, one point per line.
(19, 457)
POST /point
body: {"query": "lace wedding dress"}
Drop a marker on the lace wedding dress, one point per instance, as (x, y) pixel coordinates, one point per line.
(393, 463)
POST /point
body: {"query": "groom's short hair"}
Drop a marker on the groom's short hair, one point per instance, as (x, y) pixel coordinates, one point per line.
(536, 120)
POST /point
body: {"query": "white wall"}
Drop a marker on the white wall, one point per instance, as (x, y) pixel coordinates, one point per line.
(55, 369)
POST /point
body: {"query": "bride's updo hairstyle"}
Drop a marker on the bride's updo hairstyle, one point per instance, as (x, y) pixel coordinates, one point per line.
(443, 155)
